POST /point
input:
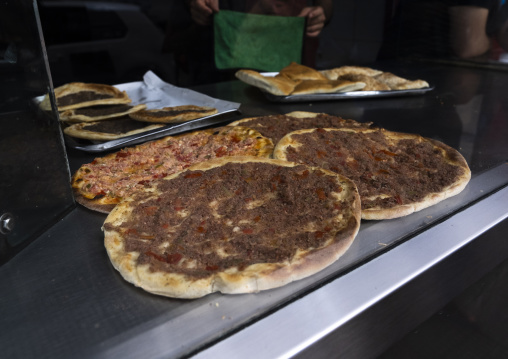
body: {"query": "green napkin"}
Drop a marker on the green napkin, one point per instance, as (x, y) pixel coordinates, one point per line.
(260, 42)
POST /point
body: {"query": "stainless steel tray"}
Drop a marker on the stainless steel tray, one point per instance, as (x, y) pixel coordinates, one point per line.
(173, 129)
(156, 93)
(346, 95)
(342, 95)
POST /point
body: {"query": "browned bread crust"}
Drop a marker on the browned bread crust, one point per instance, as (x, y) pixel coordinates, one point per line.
(173, 114)
(107, 130)
(92, 94)
(99, 112)
(396, 173)
(106, 180)
(244, 254)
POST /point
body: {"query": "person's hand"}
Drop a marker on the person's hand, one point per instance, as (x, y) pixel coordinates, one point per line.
(202, 10)
(316, 19)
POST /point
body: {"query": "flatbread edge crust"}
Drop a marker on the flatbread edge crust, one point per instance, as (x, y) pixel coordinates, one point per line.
(278, 85)
(119, 97)
(430, 199)
(188, 113)
(297, 114)
(78, 130)
(106, 204)
(71, 116)
(255, 277)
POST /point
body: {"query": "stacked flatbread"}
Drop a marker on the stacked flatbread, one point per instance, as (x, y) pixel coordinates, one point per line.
(103, 112)
(296, 79)
(375, 80)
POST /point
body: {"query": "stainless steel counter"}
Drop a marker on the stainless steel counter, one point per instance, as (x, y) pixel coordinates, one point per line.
(62, 298)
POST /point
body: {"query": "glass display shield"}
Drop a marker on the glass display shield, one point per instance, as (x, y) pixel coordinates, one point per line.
(34, 172)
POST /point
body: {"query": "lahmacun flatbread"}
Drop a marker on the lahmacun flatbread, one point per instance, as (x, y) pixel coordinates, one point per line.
(99, 112)
(172, 114)
(101, 184)
(232, 225)
(79, 94)
(106, 130)
(396, 173)
(277, 126)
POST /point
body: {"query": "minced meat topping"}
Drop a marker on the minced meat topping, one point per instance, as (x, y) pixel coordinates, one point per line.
(166, 113)
(104, 110)
(277, 126)
(118, 126)
(402, 173)
(234, 216)
(82, 96)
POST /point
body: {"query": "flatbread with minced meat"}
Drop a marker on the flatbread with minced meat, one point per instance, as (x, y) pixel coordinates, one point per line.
(79, 94)
(232, 225)
(106, 130)
(277, 126)
(173, 114)
(396, 173)
(99, 112)
(101, 184)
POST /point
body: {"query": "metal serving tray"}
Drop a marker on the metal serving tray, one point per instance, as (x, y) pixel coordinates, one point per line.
(342, 95)
(156, 93)
(346, 95)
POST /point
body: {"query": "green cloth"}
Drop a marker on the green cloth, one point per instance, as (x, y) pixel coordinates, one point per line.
(259, 42)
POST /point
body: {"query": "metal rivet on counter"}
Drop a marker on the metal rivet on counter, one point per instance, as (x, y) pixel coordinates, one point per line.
(6, 223)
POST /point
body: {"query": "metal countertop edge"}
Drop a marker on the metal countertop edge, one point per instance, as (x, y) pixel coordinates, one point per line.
(305, 321)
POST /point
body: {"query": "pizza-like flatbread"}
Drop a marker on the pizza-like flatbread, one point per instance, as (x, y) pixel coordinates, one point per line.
(232, 225)
(396, 173)
(277, 126)
(99, 112)
(173, 114)
(108, 129)
(101, 184)
(79, 94)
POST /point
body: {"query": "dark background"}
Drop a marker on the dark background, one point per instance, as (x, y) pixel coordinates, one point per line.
(118, 41)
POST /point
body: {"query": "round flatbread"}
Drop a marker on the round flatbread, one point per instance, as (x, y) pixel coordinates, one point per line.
(277, 126)
(101, 184)
(396, 173)
(106, 130)
(99, 112)
(173, 114)
(232, 225)
(79, 94)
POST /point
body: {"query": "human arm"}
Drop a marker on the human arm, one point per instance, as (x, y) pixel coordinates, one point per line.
(202, 10)
(468, 35)
(502, 34)
(317, 16)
